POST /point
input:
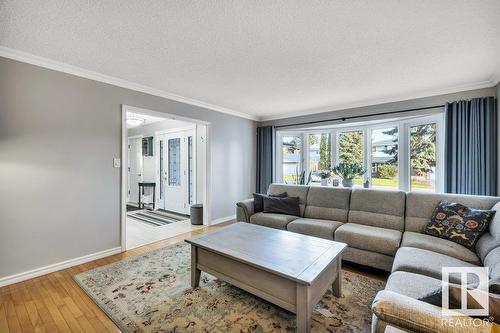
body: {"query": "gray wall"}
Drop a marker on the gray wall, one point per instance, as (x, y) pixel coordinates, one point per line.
(60, 196)
(408, 104)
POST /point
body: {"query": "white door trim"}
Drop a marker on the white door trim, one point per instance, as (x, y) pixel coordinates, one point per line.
(134, 137)
(207, 171)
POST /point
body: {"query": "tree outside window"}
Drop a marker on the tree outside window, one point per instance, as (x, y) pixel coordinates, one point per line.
(351, 150)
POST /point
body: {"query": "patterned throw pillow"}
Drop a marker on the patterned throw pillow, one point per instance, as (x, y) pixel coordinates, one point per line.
(458, 223)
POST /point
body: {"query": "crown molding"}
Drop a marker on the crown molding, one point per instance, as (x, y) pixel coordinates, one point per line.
(84, 73)
(87, 74)
(399, 98)
(495, 79)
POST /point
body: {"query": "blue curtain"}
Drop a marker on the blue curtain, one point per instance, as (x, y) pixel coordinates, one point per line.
(265, 157)
(471, 147)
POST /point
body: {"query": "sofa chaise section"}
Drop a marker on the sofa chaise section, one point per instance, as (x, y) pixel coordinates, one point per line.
(419, 210)
(417, 268)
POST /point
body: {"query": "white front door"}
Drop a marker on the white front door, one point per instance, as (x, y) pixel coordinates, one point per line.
(176, 170)
(134, 168)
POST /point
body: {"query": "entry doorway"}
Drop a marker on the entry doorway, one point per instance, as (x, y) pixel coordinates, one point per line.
(165, 173)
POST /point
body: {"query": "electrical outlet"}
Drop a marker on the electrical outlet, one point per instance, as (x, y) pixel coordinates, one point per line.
(116, 162)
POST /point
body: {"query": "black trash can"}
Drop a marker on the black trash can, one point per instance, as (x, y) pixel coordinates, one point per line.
(197, 214)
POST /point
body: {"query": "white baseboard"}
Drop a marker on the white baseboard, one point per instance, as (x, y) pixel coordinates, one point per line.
(4, 281)
(223, 219)
(15, 278)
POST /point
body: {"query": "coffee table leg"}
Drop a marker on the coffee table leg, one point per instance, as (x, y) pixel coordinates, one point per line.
(337, 284)
(304, 308)
(195, 272)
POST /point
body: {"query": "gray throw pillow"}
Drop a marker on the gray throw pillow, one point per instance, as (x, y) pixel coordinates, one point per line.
(288, 205)
(258, 200)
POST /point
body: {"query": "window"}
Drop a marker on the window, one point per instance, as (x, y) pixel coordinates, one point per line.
(384, 158)
(404, 154)
(190, 170)
(319, 154)
(174, 162)
(291, 147)
(423, 157)
(351, 150)
(162, 166)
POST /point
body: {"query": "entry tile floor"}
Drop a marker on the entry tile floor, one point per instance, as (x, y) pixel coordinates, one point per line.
(140, 233)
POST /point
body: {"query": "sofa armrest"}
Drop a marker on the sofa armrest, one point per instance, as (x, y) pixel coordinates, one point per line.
(244, 209)
(417, 316)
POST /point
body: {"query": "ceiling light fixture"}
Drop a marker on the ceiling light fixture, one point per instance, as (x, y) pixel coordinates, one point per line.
(134, 121)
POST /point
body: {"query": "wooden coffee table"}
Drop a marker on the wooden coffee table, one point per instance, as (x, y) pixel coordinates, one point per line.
(290, 270)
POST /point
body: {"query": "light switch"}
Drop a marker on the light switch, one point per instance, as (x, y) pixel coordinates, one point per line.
(116, 162)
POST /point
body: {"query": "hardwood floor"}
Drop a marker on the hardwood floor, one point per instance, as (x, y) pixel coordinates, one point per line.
(55, 303)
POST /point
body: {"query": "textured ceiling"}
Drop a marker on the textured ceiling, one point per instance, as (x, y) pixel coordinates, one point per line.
(269, 58)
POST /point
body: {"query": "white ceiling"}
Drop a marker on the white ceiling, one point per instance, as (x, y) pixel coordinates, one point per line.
(269, 59)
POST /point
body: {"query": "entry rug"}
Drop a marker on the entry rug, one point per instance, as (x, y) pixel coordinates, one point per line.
(152, 293)
(156, 218)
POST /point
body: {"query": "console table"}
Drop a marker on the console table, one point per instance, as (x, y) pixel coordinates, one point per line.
(142, 185)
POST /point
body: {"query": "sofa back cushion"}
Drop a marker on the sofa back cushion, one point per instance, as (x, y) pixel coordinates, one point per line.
(328, 203)
(292, 191)
(491, 239)
(421, 206)
(378, 208)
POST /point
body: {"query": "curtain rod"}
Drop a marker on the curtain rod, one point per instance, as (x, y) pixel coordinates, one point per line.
(360, 116)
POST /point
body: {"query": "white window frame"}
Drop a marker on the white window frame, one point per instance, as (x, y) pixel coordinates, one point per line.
(440, 147)
(403, 125)
(279, 152)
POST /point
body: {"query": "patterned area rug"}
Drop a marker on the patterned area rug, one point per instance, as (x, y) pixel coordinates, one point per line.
(152, 293)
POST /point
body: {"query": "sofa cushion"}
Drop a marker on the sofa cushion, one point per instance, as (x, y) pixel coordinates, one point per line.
(364, 237)
(328, 203)
(292, 191)
(425, 262)
(277, 221)
(412, 285)
(495, 279)
(439, 245)
(420, 206)
(492, 261)
(314, 227)
(378, 208)
(458, 223)
(368, 258)
(490, 239)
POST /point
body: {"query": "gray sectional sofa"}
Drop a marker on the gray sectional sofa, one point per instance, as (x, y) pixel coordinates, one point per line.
(383, 229)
